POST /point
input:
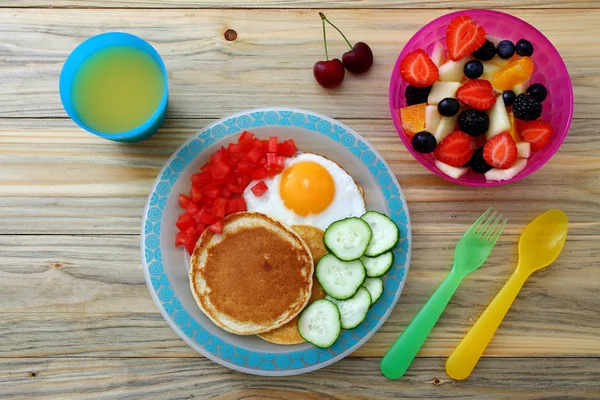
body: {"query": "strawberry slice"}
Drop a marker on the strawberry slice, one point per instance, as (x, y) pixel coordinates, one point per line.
(477, 93)
(456, 149)
(500, 151)
(418, 69)
(537, 133)
(463, 37)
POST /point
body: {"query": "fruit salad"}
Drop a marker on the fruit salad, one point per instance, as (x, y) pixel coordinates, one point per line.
(471, 105)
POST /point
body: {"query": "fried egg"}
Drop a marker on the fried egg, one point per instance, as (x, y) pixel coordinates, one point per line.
(311, 190)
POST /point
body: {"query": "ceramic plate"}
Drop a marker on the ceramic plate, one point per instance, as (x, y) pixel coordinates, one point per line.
(166, 267)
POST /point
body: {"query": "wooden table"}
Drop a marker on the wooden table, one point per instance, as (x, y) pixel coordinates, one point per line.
(76, 318)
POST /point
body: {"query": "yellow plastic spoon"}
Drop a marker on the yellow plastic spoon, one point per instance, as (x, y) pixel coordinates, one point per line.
(540, 244)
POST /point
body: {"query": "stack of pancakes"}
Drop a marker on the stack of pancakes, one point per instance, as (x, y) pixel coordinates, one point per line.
(257, 276)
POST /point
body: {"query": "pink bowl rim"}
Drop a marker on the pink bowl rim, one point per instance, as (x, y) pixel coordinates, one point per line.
(562, 68)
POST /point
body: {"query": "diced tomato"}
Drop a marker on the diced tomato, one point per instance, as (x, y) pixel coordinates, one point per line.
(279, 163)
(190, 231)
(180, 239)
(234, 188)
(259, 188)
(211, 192)
(244, 182)
(256, 142)
(225, 192)
(273, 144)
(262, 161)
(219, 155)
(234, 148)
(192, 209)
(217, 227)
(198, 216)
(183, 201)
(207, 202)
(270, 159)
(184, 221)
(272, 172)
(219, 207)
(205, 167)
(191, 244)
(208, 218)
(201, 178)
(287, 148)
(219, 170)
(265, 144)
(235, 205)
(260, 173)
(253, 155)
(246, 137)
(200, 227)
(215, 183)
(196, 194)
(244, 167)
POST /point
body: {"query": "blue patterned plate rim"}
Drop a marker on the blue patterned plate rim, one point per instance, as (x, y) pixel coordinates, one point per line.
(210, 345)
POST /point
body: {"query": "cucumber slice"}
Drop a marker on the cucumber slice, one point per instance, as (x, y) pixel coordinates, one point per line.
(385, 233)
(348, 238)
(340, 279)
(354, 310)
(375, 288)
(319, 323)
(378, 266)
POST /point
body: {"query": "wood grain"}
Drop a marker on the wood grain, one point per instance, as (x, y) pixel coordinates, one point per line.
(86, 296)
(352, 4)
(272, 56)
(77, 183)
(349, 379)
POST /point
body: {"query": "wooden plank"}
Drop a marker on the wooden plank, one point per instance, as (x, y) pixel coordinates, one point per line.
(86, 296)
(301, 4)
(570, 378)
(78, 183)
(270, 63)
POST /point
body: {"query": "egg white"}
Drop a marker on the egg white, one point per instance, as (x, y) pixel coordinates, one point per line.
(347, 200)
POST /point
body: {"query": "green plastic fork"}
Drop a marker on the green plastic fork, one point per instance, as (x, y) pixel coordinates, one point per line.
(471, 252)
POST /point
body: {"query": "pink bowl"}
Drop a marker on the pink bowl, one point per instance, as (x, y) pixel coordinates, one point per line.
(550, 70)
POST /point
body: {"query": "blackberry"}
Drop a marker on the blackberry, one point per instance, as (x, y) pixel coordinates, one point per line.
(527, 108)
(415, 95)
(485, 52)
(473, 122)
(478, 163)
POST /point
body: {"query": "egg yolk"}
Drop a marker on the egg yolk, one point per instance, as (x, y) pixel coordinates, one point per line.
(306, 188)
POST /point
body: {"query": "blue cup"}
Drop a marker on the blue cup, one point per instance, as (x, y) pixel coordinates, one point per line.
(91, 46)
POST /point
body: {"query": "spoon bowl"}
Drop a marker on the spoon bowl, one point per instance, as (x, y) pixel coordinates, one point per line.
(543, 240)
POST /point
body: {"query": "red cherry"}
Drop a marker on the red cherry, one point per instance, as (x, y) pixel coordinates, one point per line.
(330, 73)
(359, 59)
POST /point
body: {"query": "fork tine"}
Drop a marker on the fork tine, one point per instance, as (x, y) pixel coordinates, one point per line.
(477, 223)
(499, 230)
(488, 232)
(487, 222)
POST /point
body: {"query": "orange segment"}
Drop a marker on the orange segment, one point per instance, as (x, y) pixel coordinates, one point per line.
(513, 128)
(413, 118)
(514, 73)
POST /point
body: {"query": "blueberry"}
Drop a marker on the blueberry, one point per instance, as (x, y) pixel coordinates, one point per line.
(448, 107)
(509, 97)
(424, 142)
(524, 48)
(538, 91)
(473, 69)
(506, 49)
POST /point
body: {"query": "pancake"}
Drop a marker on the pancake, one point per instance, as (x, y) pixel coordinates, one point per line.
(254, 277)
(288, 333)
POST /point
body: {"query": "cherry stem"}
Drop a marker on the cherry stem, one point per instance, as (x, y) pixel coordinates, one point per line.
(324, 18)
(325, 41)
